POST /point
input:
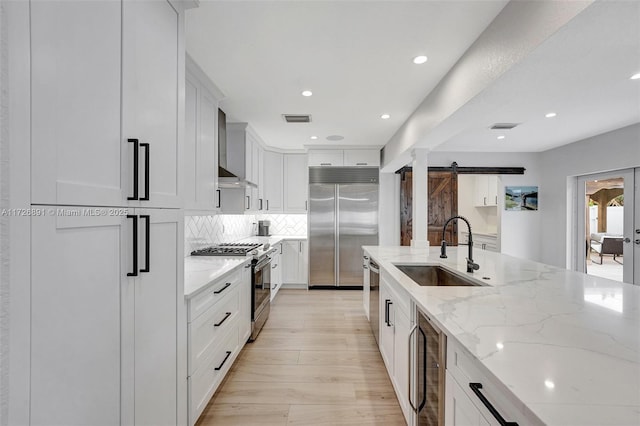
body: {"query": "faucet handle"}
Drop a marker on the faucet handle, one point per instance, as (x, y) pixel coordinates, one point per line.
(443, 249)
(471, 266)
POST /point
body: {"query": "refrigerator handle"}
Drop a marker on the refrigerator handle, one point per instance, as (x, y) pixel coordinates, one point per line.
(336, 225)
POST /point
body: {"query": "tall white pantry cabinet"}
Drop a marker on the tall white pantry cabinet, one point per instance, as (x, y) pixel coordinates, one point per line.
(106, 315)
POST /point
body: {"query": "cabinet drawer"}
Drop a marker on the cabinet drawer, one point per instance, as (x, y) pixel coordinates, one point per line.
(326, 157)
(218, 290)
(205, 380)
(465, 370)
(206, 330)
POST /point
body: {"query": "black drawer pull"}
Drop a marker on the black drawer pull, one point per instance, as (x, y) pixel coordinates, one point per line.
(226, 285)
(134, 249)
(387, 302)
(223, 361)
(222, 320)
(475, 387)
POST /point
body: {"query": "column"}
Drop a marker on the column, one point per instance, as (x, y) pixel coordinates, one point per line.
(420, 203)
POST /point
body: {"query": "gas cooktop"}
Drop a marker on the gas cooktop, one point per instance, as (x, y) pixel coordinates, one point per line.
(234, 249)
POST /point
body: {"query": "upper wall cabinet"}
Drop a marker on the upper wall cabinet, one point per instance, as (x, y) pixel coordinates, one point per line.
(361, 157)
(273, 181)
(296, 183)
(201, 141)
(105, 86)
(347, 157)
(486, 191)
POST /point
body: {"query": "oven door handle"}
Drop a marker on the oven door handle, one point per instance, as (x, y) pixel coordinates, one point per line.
(263, 263)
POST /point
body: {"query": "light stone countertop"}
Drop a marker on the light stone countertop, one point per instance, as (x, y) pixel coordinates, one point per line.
(536, 324)
(201, 271)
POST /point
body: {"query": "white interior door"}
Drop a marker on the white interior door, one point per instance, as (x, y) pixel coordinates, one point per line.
(611, 217)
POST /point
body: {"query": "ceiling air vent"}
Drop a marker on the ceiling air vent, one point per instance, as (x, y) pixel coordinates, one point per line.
(504, 126)
(297, 118)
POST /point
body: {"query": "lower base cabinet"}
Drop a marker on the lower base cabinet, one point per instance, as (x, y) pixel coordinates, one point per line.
(106, 316)
(219, 326)
(295, 262)
(458, 408)
(394, 340)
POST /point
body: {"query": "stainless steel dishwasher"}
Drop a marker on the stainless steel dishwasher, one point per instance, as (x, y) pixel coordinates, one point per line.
(374, 299)
(427, 372)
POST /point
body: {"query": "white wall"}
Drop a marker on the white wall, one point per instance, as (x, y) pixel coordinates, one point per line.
(389, 210)
(519, 231)
(615, 150)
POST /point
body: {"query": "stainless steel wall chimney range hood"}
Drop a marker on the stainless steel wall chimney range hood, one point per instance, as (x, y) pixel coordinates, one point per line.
(231, 171)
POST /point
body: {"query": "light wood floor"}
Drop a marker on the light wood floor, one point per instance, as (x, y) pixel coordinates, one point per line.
(314, 363)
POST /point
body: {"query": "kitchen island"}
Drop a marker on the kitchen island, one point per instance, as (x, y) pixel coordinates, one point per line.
(563, 347)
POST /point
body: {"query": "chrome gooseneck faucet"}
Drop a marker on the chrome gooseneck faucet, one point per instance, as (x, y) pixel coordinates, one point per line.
(471, 266)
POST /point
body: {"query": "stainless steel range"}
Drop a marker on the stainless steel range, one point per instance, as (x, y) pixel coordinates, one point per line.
(260, 276)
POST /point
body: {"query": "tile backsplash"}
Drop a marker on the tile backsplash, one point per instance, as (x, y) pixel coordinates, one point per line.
(203, 231)
(286, 224)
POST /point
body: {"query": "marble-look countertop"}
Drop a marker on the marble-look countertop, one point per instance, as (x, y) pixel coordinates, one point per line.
(200, 271)
(564, 344)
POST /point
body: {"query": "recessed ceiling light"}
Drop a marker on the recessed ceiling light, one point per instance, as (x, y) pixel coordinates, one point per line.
(550, 115)
(501, 137)
(635, 76)
(420, 59)
(500, 345)
(307, 93)
(314, 137)
(549, 384)
(385, 116)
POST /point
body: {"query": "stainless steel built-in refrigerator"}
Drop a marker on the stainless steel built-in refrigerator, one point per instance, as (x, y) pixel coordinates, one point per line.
(343, 217)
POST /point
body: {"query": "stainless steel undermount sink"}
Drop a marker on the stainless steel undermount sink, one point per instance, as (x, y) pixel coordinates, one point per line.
(428, 275)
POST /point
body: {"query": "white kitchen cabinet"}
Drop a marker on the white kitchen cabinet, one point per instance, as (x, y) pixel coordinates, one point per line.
(273, 182)
(219, 326)
(276, 270)
(486, 191)
(487, 242)
(201, 141)
(326, 157)
(296, 183)
(362, 157)
(394, 340)
(295, 262)
(462, 371)
(105, 344)
(103, 74)
(458, 408)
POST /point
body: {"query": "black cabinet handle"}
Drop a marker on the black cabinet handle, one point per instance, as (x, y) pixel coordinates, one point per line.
(223, 361)
(146, 171)
(136, 170)
(387, 302)
(147, 242)
(135, 246)
(259, 203)
(248, 202)
(305, 205)
(475, 387)
(219, 198)
(222, 320)
(361, 164)
(226, 286)
(267, 205)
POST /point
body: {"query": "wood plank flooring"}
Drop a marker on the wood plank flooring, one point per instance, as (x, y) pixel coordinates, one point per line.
(314, 363)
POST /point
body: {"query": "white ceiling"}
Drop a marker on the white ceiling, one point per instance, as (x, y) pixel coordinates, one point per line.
(582, 73)
(356, 57)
